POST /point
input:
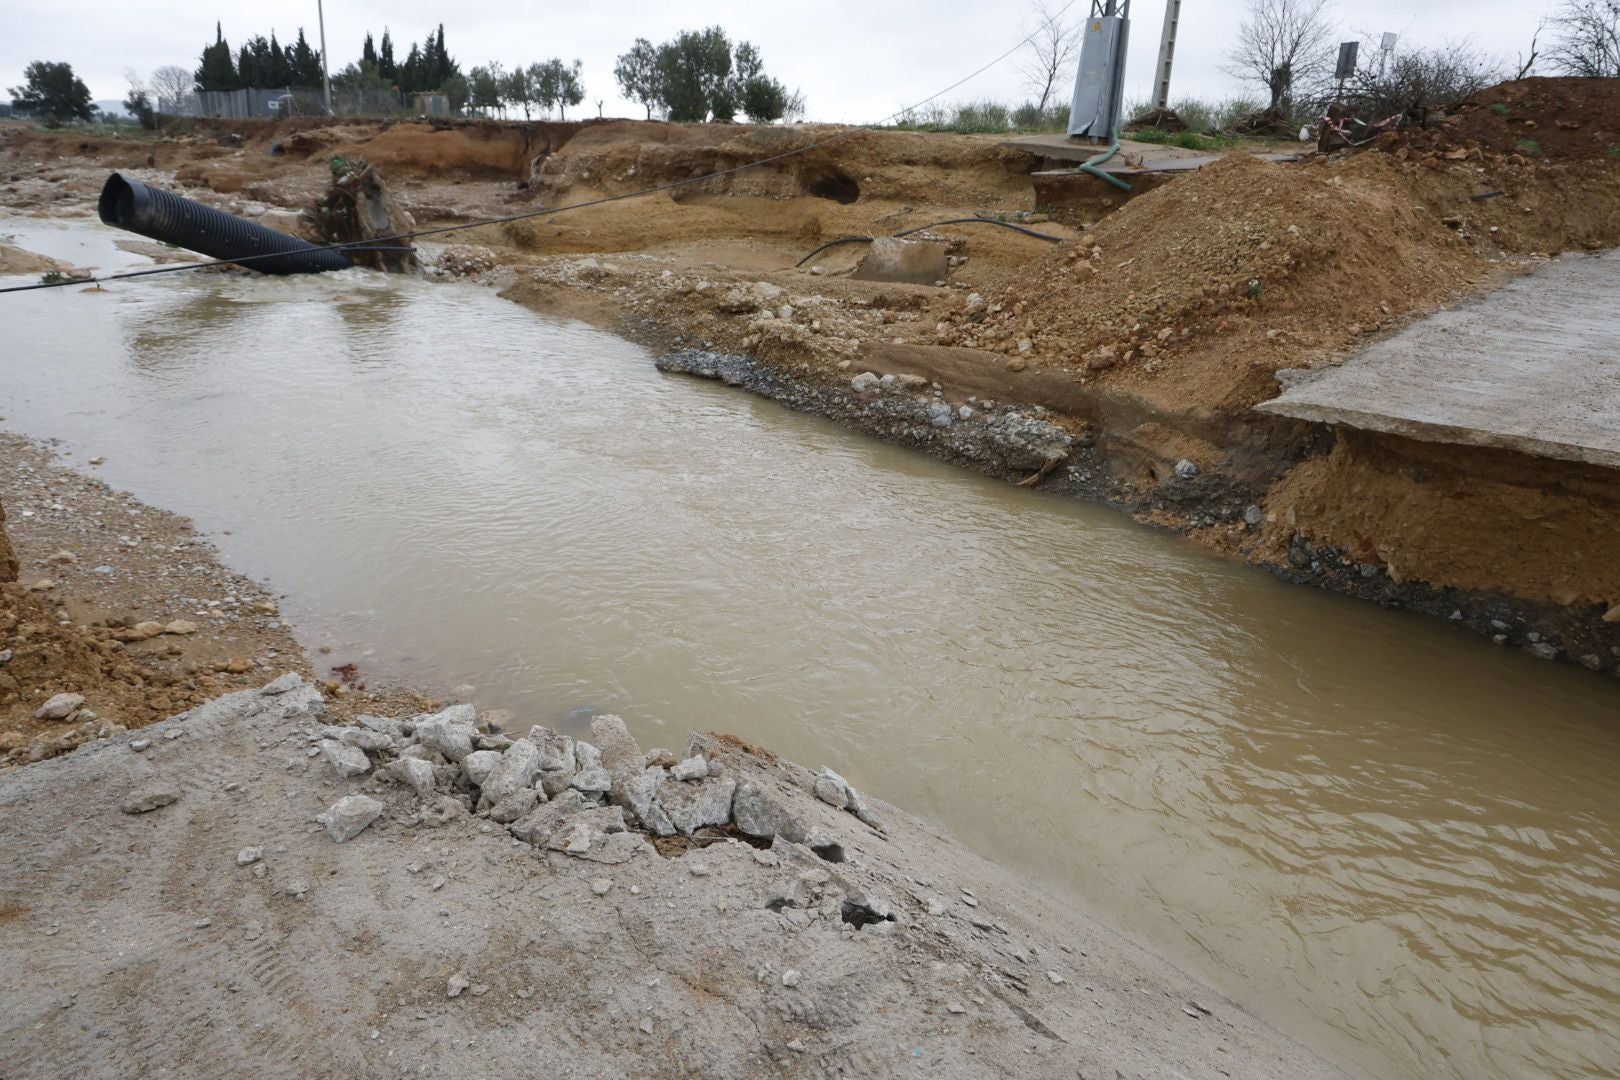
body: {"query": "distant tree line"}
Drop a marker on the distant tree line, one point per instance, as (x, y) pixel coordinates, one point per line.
(698, 76)
(259, 64)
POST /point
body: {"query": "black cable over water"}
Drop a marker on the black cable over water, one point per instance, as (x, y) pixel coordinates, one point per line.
(529, 215)
(925, 228)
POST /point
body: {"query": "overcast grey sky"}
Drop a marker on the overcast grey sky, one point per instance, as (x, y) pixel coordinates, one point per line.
(855, 60)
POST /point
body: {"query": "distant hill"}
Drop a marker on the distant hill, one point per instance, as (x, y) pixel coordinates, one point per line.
(113, 108)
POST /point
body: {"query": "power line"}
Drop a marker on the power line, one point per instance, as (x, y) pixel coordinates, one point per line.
(549, 211)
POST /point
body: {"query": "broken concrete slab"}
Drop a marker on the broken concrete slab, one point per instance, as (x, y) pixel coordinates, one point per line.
(907, 262)
(1530, 368)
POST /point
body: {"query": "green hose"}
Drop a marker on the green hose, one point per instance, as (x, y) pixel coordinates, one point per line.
(1093, 166)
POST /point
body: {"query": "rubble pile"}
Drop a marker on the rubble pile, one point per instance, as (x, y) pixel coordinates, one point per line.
(603, 800)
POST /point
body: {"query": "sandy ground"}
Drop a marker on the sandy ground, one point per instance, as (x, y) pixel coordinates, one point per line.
(437, 944)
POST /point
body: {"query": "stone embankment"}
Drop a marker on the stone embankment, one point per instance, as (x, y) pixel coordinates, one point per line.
(265, 892)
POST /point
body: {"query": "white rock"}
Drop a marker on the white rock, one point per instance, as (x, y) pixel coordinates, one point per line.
(865, 381)
(693, 806)
(693, 768)
(249, 855)
(414, 773)
(791, 977)
(516, 770)
(450, 732)
(349, 816)
(59, 707)
(345, 760)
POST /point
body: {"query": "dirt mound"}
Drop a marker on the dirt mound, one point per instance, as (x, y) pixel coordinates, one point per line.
(1225, 274)
(1557, 119)
(8, 558)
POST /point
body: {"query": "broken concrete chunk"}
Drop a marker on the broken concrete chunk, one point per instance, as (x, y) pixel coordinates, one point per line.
(586, 756)
(450, 732)
(639, 795)
(59, 707)
(831, 789)
(514, 806)
(373, 742)
(301, 700)
(591, 781)
(479, 764)
(536, 828)
(382, 725)
(518, 767)
(556, 751)
(695, 805)
(618, 746)
(349, 816)
(345, 760)
(282, 685)
(414, 773)
(555, 782)
(914, 262)
(149, 799)
(693, 768)
(759, 815)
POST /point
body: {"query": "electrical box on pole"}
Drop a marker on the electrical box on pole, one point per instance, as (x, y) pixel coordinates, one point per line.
(1099, 87)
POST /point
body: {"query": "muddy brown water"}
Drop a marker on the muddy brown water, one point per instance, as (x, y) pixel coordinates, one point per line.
(1392, 839)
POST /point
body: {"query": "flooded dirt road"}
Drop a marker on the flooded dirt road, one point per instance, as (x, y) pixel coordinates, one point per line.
(1395, 841)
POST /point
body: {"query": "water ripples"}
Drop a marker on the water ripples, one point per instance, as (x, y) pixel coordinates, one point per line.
(1385, 836)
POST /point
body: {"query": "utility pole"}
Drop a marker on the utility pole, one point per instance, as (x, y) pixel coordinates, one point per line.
(326, 72)
(1167, 54)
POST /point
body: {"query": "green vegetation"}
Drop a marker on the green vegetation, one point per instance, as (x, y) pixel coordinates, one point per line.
(1614, 150)
(1187, 140)
(984, 118)
(53, 93)
(698, 77)
(56, 277)
(1528, 147)
(1499, 109)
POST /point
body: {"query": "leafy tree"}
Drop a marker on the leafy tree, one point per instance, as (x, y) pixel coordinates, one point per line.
(457, 90)
(52, 91)
(217, 71)
(385, 57)
(1282, 45)
(559, 85)
(761, 98)
(638, 75)
(694, 73)
(303, 63)
(1588, 40)
(486, 85)
(521, 88)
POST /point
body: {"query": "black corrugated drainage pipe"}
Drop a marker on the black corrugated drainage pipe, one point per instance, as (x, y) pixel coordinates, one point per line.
(174, 219)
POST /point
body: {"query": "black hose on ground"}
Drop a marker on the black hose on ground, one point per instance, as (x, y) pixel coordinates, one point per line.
(174, 219)
(925, 228)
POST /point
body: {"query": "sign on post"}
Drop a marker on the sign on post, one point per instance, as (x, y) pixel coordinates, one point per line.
(1347, 60)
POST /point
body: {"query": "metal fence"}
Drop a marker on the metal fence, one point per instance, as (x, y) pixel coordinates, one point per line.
(272, 103)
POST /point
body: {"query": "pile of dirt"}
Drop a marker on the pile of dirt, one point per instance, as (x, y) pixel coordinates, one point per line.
(43, 652)
(1226, 275)
(8, 558)
(1558, 119)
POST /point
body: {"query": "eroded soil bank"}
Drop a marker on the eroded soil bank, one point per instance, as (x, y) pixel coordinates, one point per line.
(1147, 335)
